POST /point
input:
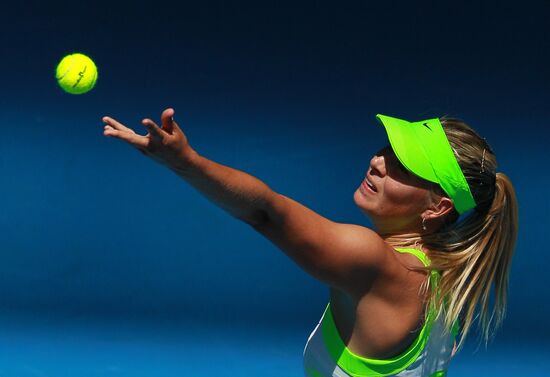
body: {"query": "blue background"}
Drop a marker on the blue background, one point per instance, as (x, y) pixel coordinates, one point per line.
(112, 265)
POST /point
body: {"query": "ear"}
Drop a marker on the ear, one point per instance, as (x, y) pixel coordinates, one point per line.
(438, 210)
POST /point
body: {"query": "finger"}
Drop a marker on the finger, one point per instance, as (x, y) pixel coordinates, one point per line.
(115, 124)
(167, 119)
(131, 138)
(156, 133)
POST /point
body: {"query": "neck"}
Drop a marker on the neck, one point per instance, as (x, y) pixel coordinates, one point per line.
(412, 239)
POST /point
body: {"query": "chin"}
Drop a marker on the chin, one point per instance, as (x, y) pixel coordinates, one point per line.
(358, 197)
(361, 202)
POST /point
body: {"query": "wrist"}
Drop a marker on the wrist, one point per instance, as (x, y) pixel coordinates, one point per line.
(187, 161)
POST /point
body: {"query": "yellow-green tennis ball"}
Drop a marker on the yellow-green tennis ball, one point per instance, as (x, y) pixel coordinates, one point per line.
(76, 73)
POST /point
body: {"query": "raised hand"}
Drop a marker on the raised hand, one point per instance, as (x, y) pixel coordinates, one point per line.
(167, 145)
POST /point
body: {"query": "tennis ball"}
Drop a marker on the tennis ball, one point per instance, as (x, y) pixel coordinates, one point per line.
(76, 73)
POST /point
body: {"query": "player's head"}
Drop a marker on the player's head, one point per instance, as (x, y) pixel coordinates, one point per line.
(399, 199)
(427, 176)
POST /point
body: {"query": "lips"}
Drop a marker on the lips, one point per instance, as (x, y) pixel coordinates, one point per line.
(367, 188)
(370, 184)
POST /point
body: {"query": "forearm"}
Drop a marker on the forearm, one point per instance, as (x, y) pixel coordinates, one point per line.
(240, 194)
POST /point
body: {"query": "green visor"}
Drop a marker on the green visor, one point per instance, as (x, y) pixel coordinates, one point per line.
(423, 148)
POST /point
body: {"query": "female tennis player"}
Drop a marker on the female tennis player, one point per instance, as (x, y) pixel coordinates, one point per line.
(445, 227)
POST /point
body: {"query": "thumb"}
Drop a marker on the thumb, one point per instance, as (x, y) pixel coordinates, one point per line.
(167, 119)
(174, 125)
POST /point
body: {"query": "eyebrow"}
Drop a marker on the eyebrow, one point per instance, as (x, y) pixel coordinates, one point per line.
(404, 168)
(399, 164)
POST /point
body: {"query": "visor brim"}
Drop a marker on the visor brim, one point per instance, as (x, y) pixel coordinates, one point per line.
(408, 141)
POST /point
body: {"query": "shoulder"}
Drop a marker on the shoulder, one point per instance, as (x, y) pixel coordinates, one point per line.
(354, 257)
(346, 256)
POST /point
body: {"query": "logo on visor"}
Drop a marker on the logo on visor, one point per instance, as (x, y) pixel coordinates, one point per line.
(426, 124)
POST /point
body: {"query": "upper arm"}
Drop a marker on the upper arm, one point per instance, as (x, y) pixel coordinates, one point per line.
(346, 256)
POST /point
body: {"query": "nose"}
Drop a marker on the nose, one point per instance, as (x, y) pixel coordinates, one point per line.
(374, 160)
(377, 164)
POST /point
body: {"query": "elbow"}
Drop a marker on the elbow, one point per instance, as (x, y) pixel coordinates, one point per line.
(256, 219)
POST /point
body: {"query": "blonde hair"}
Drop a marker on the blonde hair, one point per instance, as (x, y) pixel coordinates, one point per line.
(475, 254)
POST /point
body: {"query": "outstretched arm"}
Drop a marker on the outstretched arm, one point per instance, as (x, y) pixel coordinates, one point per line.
(345, 256)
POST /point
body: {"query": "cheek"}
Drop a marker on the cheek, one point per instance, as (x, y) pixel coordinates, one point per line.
(402, 195)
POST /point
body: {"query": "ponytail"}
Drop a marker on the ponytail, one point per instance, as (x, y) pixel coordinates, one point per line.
(476, 262)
